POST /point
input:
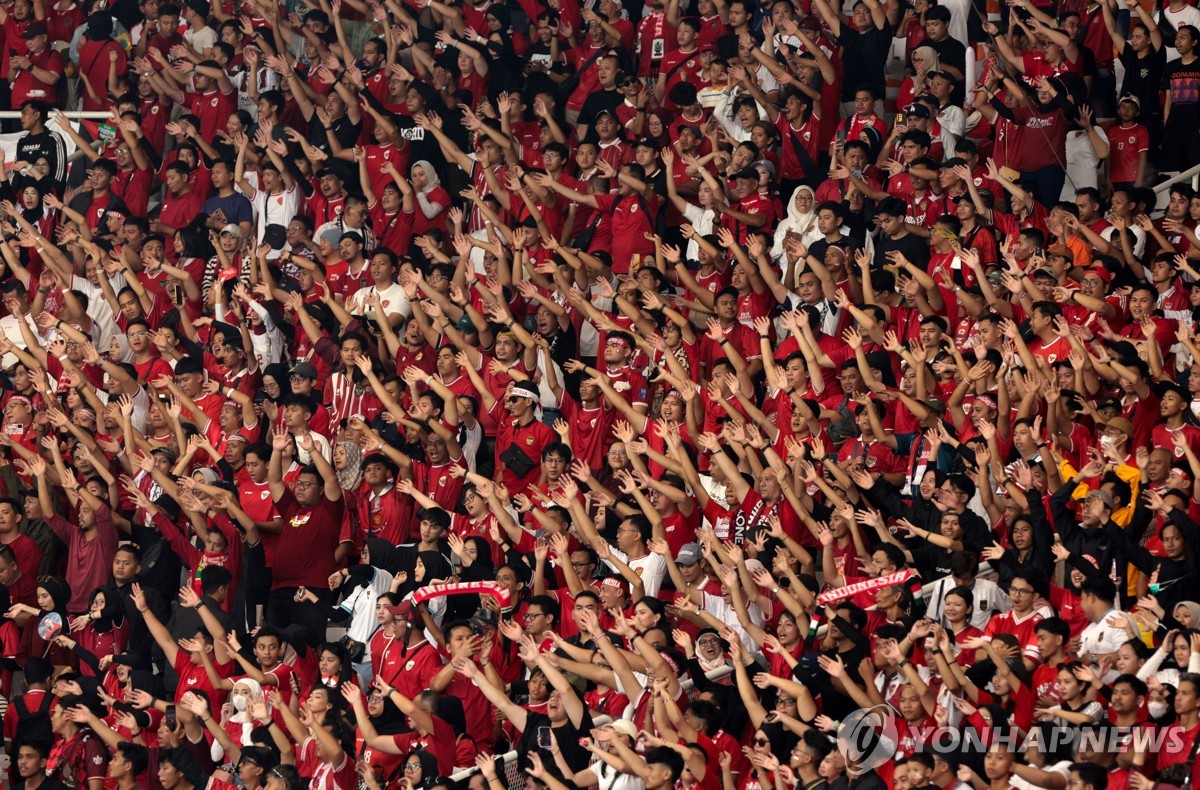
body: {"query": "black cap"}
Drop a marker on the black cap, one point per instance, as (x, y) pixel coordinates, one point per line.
(35, 29)
(1161, 388)
(646, 142)
(1109, 403)
(917, 111)
(747, 172)
(99, 26)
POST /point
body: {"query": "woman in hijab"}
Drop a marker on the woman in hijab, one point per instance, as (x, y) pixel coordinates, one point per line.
(874, 140)
(387, 719)
(360, 592)
(347, 463)
(432, 200)
(119, 351)
(425, 568)
(100, 632)
(277, 386)
(53, 593)
(800, 222)
(228, 738)
(916, 80)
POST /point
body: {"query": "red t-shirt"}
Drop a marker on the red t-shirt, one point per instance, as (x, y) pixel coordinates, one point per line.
(304, 551)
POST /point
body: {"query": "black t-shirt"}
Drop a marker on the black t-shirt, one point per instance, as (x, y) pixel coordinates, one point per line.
(1143, 76)
(566, 734)
(952, 53)
(849, 245)
(911, 245)
(600, 100)
(864, 55)
(1181, 81)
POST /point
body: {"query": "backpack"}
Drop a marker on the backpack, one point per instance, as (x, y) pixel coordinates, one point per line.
(34, 724)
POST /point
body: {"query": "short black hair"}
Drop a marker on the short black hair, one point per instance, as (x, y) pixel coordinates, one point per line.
(1100, 586)
(136, 755)
(214, 578)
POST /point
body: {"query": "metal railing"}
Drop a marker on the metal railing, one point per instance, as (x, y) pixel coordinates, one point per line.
(1192, 174)
(74, 115)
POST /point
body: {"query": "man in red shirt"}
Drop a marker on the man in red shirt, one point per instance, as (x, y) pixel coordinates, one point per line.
(35, 74)
(181, 205)
(305, 542)
(520, 438)
(633, 210)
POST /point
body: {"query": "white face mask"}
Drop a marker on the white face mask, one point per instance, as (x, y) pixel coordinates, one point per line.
(240, 702)
(1157, 709)
(1107, 441)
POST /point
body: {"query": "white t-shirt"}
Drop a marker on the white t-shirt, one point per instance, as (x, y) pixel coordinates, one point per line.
(1082, 163)
(650, 568)
(201, 40)
(393, 298)
(272, 209)
(1100, 638)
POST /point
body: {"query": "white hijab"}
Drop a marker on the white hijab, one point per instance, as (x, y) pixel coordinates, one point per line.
(432, 181)
(803, 224)
(243, 718)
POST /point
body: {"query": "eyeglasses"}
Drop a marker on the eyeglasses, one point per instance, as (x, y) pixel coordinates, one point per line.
(708, 640)
(136, 335)
(531, 615)
(412, 767)
(1020, 591)
(761, 742)
(512, 399)
(581, 564)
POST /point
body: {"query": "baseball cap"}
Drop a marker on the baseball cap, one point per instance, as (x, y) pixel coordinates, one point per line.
(1061, 250)
(35, 29)
(232, 230)
(305, 370)
(689, 554)
(625, 727)
(935, 405)
(1111, 403)
(1129, 97)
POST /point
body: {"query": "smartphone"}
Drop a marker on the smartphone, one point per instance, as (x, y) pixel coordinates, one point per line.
(170, 718)
(841, 138)
(899, 118)
(543, 738)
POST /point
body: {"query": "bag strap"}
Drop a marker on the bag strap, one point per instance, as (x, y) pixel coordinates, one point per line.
(810, 167)
(569, 85)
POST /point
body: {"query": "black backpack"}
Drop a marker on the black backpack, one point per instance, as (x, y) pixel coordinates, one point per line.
(34, 724)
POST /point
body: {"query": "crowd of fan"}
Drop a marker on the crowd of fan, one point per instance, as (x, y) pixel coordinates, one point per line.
(391, 387)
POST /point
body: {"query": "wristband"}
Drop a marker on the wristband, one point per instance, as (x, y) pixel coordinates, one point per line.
(775, 590)
(723, 341)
